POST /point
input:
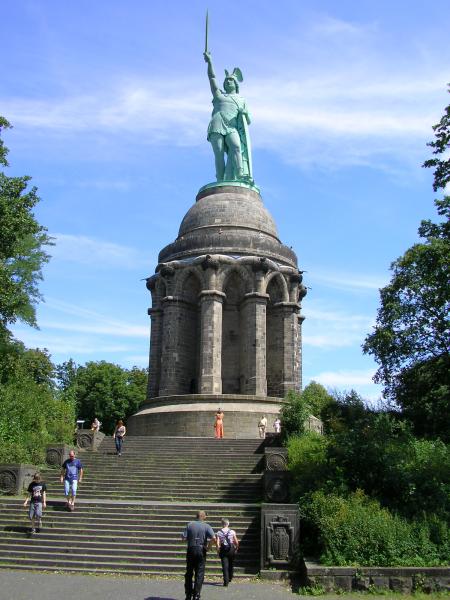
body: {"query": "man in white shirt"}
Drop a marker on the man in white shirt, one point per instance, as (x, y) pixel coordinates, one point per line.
(262, 425)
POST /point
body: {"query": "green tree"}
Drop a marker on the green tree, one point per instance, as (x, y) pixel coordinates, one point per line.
(22, 240)
(103, 390)
(317, 398)
(411, 339)
(294, 413)
(32, 413)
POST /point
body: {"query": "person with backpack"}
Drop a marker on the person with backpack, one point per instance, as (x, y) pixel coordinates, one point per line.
(37, 496)
(227, 546)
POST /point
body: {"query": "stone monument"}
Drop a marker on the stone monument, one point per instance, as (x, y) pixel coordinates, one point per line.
(225, 316)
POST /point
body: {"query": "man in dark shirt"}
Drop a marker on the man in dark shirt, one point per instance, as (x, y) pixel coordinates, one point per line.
(71, 474)
(199, 537)
(37, 497)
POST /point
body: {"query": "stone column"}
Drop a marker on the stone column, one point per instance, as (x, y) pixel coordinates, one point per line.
(253, 320)
(301, 318)
(211, 302)
(291, 347)
(170, 367)
(154, 363)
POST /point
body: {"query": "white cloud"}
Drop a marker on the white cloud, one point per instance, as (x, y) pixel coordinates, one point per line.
(82, 332)
(345, 378)
(328, 329)
(115, 328)
(331, 26)
(348, 281)
(138, 360)
(86, 250)
(91, 321)
(69, 345)
(331, 118)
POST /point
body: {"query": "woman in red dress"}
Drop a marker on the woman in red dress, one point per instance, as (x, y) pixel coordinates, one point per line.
(218, 423)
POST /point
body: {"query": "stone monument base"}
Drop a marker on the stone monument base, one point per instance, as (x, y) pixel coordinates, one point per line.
(192, 415)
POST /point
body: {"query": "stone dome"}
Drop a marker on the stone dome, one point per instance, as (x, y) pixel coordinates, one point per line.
(228, 219)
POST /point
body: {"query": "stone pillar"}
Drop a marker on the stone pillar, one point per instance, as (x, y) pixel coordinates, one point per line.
(154, 363)
(291, 347)
(280, 535)
(169, 384)
(253, 311)
(211, 302)
(301, 318)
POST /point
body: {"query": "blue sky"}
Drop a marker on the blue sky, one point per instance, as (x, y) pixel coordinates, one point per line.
(110, 103)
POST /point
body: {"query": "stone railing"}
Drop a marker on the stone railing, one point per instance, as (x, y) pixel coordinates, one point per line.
(280, 522)
(397, 579)
(88, 439)
(15, 478)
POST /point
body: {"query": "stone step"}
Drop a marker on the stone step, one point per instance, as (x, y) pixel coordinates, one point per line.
(184, 510)
(19, 563)
(139, 538)
(158, 494)
(160, 475)
(36, 546)
(132, 509)
(142, 488)
(105, 563)
(139, 462)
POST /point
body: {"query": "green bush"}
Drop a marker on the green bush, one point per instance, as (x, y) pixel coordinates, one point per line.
(32, 413)
(377, 452)
(356, 531)
(308, 463)
(294, 414)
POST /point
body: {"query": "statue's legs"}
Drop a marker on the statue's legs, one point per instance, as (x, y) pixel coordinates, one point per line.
(218, 145)
(234, 163)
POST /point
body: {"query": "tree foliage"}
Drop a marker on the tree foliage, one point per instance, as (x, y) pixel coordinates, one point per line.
(441, 161)
(103, 390)
(294, 413)
(357, 531)
(298, 407)
(32, 412)
(411, 339)
(22, 240)
(316, 396)
(370, 490)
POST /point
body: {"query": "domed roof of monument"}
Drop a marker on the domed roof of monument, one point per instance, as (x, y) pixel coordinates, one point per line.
(228, 207)
(228, 219)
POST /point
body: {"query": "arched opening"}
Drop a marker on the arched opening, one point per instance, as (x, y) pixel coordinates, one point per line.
(231, 335)
(274, 338)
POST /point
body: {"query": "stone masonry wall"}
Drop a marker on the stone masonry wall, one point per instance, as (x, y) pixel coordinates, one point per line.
(202, 342)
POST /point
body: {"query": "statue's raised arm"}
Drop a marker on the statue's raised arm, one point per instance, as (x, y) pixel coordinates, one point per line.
(211, 74)
(228, 128)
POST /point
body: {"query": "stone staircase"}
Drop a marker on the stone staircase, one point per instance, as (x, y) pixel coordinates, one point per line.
(132, 509)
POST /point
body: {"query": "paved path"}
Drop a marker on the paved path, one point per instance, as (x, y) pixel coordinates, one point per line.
(25, 585)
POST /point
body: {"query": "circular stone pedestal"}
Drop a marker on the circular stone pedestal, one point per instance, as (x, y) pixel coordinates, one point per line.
(193, 415)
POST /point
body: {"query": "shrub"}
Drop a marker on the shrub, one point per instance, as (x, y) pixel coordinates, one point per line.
(294, 414)
(357, 531)
(32, 413)
(308, 462)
